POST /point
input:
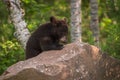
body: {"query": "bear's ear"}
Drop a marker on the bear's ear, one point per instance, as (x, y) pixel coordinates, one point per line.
(65, 20)
(52, 19)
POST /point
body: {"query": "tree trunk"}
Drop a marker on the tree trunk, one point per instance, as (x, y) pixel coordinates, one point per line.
(94, 21)
(16, 15)
(75, 20)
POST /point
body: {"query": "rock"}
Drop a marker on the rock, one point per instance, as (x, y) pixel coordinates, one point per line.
(76, 61)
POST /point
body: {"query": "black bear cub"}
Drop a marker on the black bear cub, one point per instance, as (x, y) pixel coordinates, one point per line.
(48, 36)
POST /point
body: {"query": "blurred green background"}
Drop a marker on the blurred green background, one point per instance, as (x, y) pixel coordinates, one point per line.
(38, 12)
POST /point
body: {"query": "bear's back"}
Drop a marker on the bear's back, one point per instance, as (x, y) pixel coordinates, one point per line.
(43, 30)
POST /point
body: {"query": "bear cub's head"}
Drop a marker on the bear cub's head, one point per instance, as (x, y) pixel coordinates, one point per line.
(60, 29)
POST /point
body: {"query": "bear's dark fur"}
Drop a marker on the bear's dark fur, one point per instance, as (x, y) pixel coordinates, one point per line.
(47, 37)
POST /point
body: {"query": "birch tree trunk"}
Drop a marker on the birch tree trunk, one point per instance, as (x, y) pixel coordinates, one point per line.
(76, 20)
(16, 15)
(94, 21)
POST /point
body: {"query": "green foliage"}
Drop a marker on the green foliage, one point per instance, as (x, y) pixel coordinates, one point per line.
(110, 30)
(111, 37)
(113, 41)
(10, 52)
(39, 11)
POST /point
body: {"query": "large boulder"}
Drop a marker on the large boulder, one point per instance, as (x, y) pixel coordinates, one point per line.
(76, 61)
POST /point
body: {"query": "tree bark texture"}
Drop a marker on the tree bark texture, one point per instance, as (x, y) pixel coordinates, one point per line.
(94, 21)
(16, 15)
(75, 20)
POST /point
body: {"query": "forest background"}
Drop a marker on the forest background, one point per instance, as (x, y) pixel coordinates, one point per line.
(38, 12)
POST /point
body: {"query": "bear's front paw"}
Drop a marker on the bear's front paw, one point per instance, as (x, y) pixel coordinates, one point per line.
(60, 47)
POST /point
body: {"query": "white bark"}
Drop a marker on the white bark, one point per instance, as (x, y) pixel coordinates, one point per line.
(75, 20)
(94, 21)
(16, 15)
